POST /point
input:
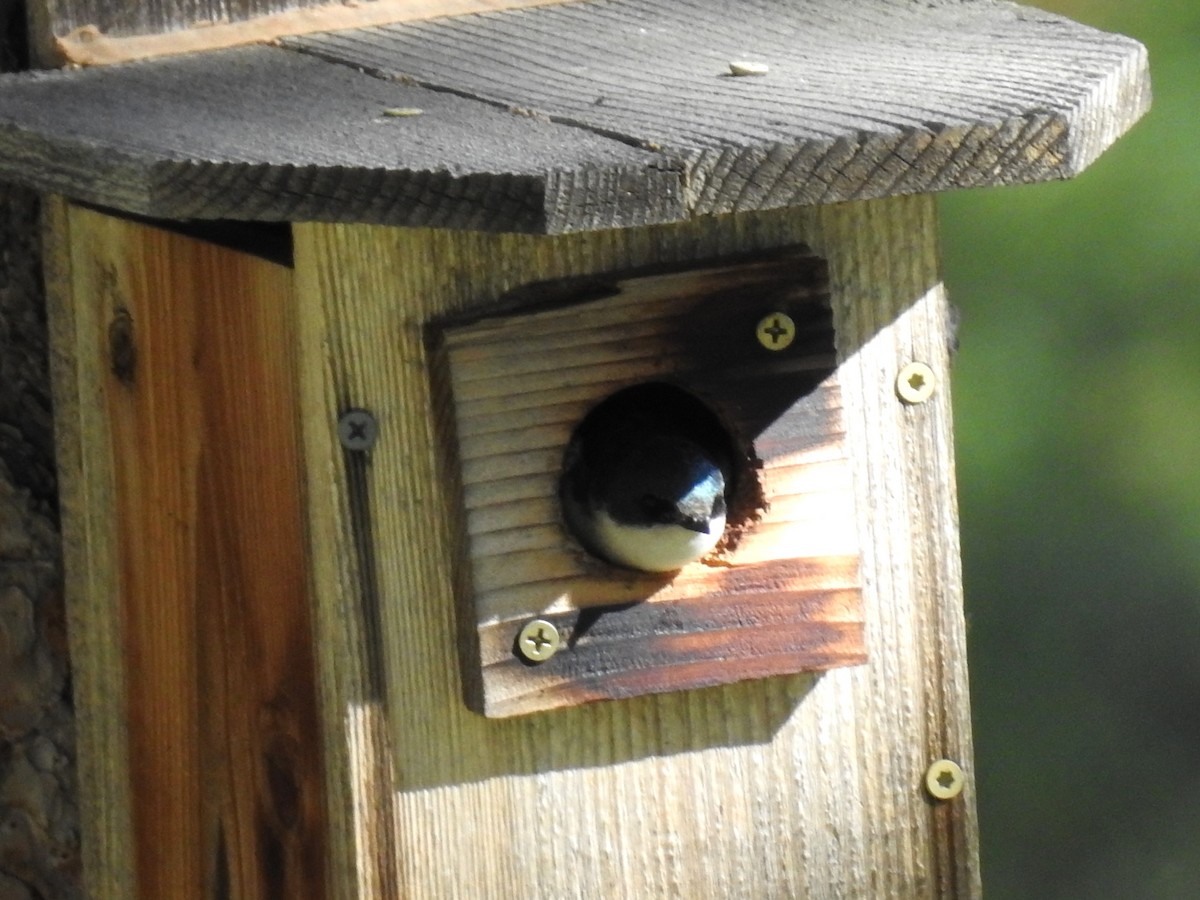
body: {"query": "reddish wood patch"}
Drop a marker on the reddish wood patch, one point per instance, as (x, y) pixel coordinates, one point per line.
(223, 732)
(782, 593)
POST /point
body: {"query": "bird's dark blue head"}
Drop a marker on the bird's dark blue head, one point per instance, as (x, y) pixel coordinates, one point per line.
(646, 477)
(663, 479)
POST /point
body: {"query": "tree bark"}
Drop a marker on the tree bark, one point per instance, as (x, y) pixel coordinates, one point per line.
(39, 820)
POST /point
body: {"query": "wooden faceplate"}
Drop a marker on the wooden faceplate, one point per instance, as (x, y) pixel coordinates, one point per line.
(781, 594)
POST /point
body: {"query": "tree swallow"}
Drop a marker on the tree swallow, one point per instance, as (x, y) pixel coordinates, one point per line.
(645, 479)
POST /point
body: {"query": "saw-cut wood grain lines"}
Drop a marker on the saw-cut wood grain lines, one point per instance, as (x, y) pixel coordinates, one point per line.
(781, 593)
(191, 626)
(102, 32)
(787, 786)
(585, 115)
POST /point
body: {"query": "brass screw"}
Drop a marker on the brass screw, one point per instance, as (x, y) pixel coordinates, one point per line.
(776, 331)
(539, 640)
(915, 383)
(945, 779)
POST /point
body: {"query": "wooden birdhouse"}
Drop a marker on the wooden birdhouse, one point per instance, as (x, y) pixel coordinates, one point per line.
(361, 313)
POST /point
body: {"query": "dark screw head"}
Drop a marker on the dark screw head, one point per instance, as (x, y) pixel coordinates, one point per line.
(357, 430)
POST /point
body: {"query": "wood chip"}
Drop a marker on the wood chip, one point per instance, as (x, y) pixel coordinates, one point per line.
(402, 112)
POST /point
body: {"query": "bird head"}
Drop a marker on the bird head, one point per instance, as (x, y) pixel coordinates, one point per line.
(645, 478)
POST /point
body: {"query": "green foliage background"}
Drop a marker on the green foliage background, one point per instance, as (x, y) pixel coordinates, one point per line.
(1077, 397)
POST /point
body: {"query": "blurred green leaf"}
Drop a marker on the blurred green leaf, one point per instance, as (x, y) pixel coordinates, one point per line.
(1077, 395)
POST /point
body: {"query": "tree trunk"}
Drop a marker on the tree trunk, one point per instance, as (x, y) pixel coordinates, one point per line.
(39, 819)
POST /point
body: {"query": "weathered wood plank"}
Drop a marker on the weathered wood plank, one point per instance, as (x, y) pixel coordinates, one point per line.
(586, 115)
(281, 136)
(124, 17)
(96, 32)
(862, 99)
(189, 593)
(83, 448)
(697, 330)
(784, 787)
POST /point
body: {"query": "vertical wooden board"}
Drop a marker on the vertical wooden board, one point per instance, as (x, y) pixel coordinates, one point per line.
(83, 458)
(785, 787)
(891, 309)
(195, 570)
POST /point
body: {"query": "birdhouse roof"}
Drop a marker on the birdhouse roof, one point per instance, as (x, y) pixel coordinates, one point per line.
(584, 115)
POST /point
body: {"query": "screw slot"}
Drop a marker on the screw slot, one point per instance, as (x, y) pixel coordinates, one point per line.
(945, 779)
(776, 331)
(539, 640)
(915, 383)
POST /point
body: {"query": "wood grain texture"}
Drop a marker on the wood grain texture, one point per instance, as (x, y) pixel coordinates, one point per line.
(586, 115)
(90, 572)
(59, 17)
(200, 756)
(783, 787)
(314, 124)
(122, 31)
(781, 594)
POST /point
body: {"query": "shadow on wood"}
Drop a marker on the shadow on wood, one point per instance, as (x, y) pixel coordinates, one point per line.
(780, 593)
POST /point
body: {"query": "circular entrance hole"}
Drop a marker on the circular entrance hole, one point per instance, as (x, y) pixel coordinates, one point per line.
(648, 478)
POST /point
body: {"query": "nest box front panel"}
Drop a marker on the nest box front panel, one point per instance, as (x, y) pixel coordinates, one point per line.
(738, 357)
